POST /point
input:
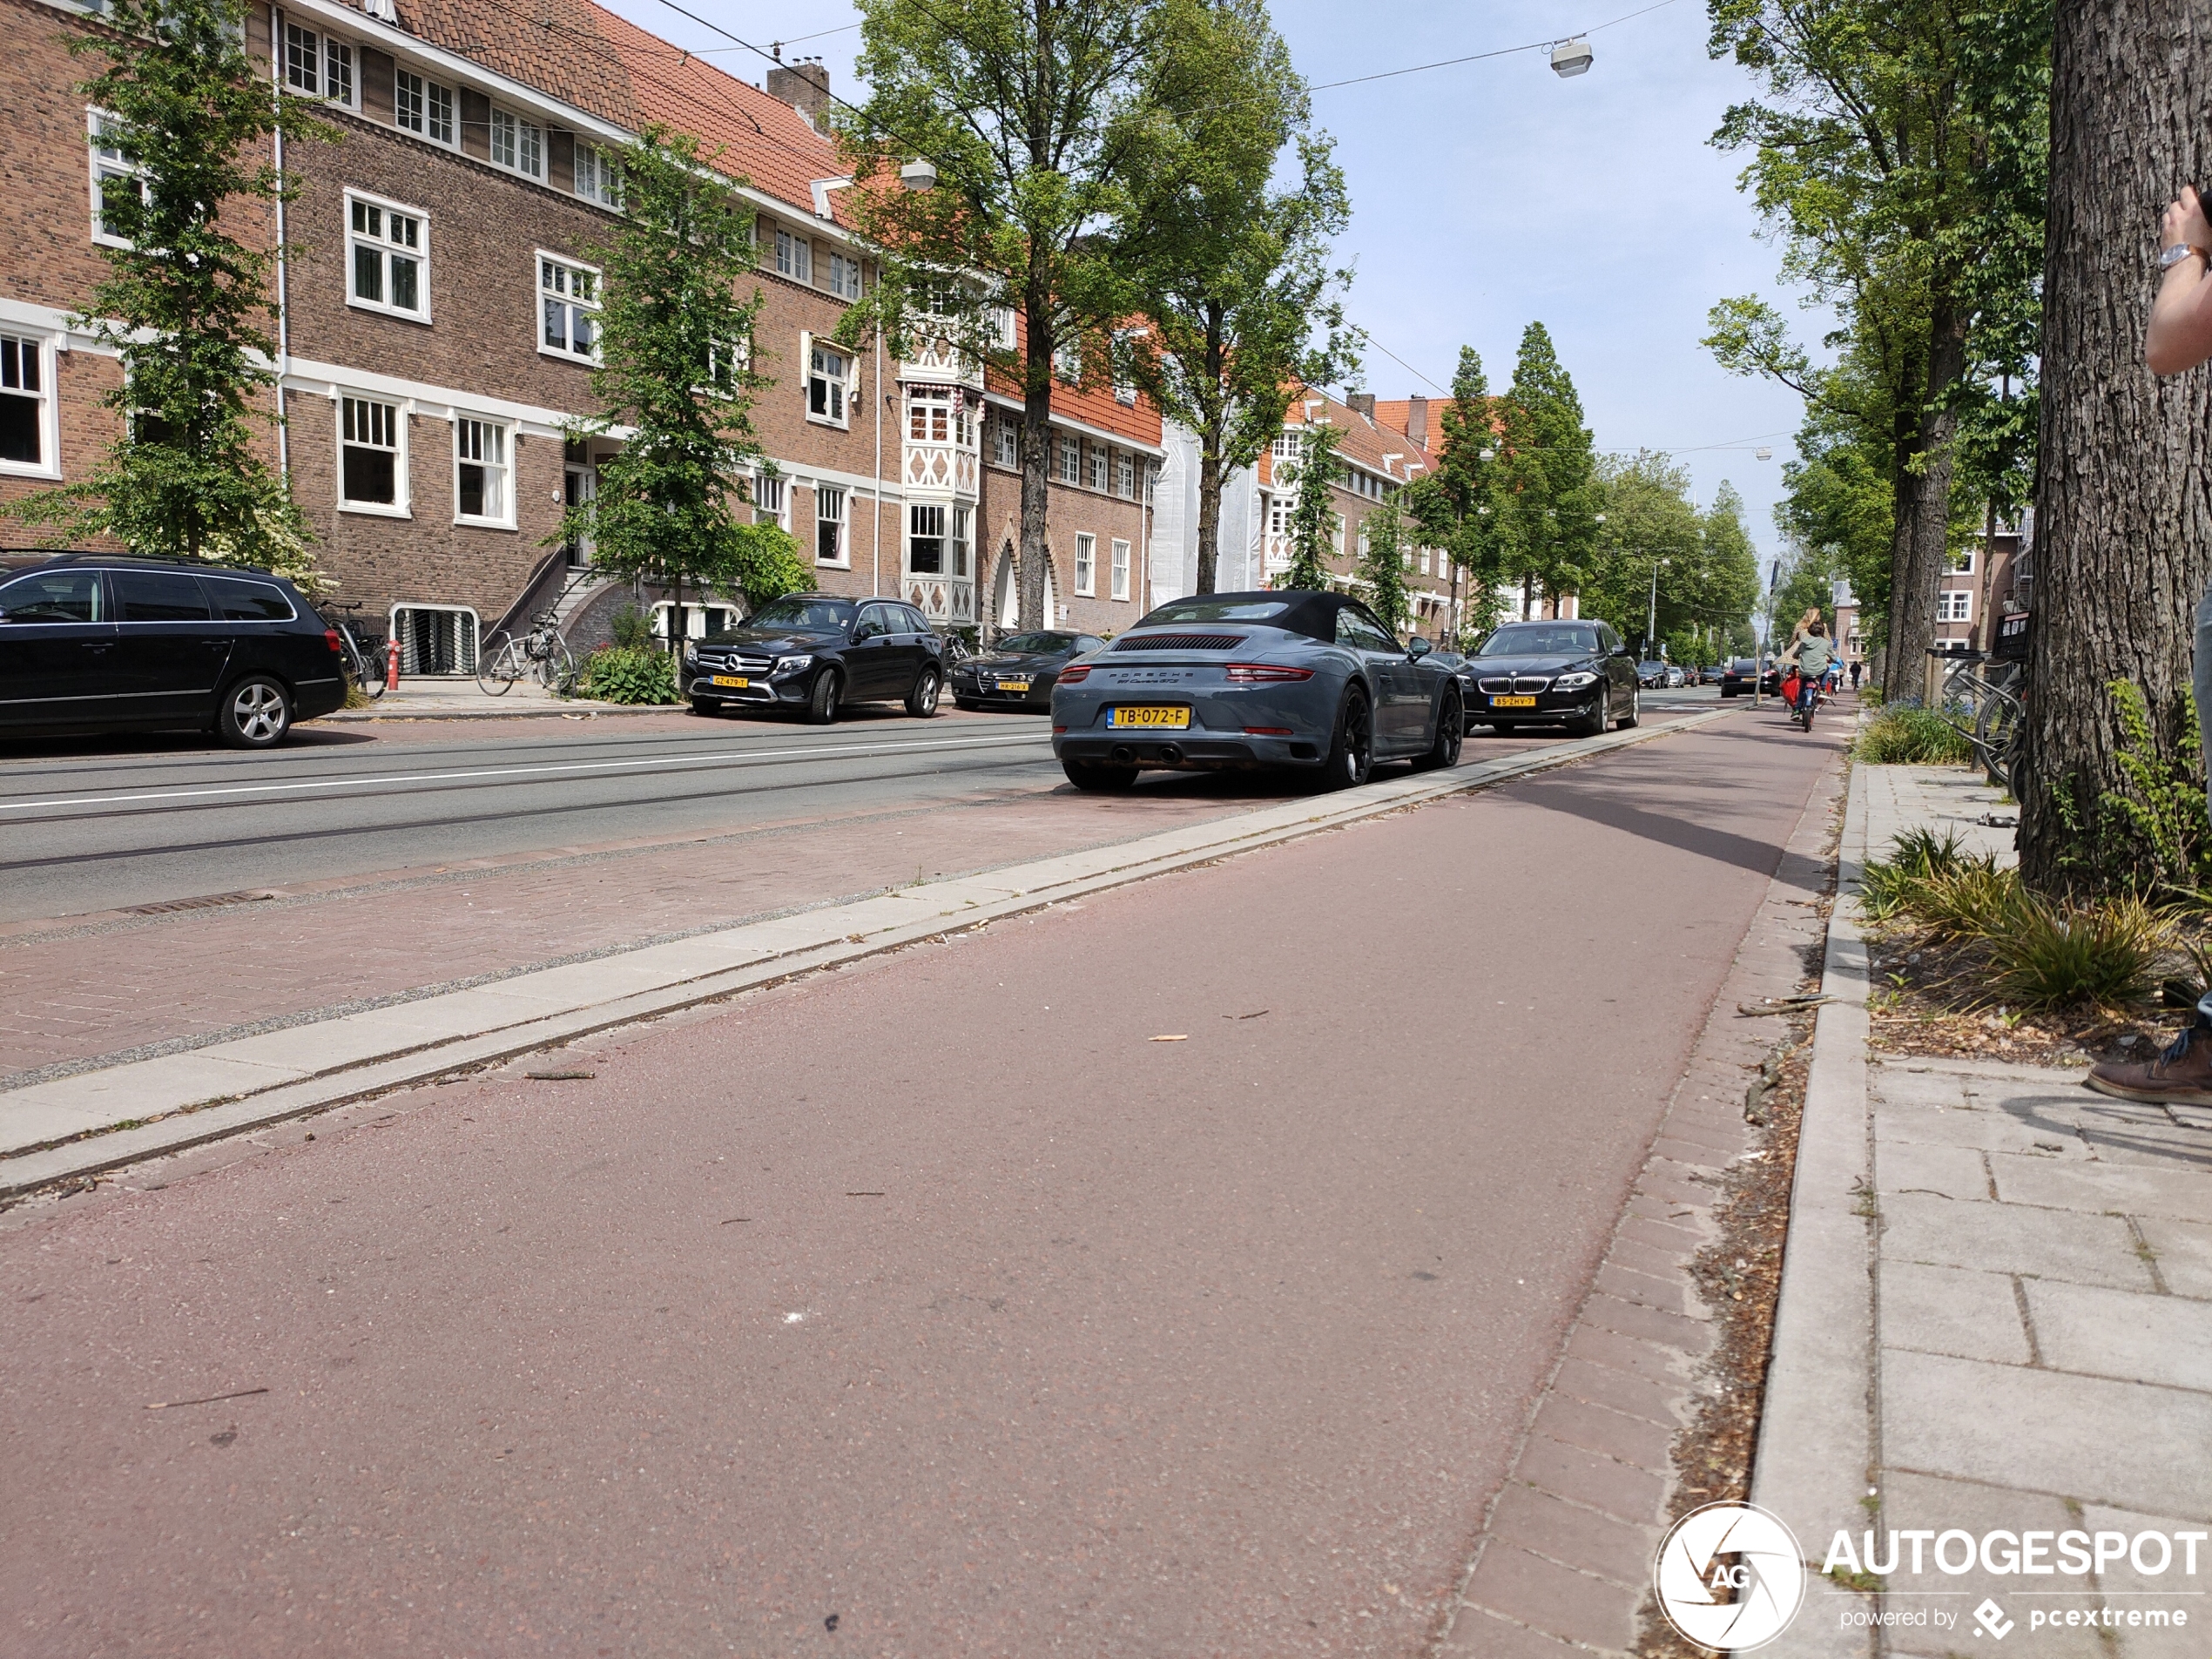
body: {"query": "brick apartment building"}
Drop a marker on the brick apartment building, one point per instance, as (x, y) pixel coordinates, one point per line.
(436, 298)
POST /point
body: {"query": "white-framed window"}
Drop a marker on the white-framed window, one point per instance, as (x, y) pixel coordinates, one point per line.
(1002, 327)
(482, 491)
(422, 107)
(794, 257)
(771, 499)
(28, 442)
(102, 134)
(1071, 459)
(319, 65)
(568, 305)
(829, 384)
(929, 414)
(1086, 563)
(700, 620)
(516, 144)
(726, 360)
(372, 457)
(1068, 362)
(435, 639)
(1962, 562)
(1119, 569)
(1955, 604)
(829, 527)
(1285, 447)
(598, 175)
(845, 277)
(1098, 465)
(1279, 514)
(387, 249)
(926, 538)
(1125, 475)
(962, 532)
(1005, 442)
(1151, 479)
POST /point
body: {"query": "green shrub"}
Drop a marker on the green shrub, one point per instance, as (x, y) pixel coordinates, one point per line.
(1908, 737)
(620, 675)
(633, 628)
(1976, 901)
(2049, 956)
(1889, 886)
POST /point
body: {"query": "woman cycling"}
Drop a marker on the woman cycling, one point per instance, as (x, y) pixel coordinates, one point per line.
(1808, 657)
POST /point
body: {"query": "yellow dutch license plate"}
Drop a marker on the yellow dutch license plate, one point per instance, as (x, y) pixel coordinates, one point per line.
(1179, 719)
(735, 682)
(1014, 685)
(1513, 702)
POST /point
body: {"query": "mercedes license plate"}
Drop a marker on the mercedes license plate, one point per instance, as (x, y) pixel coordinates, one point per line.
(735, 682)
(1177, 719)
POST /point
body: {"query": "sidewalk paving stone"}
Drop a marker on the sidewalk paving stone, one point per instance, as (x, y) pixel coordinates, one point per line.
(1954, 1311)
(2184, 1251)
(2121, 1333)
(2090, 1247)
(1556, 1600)
(2140, 1189)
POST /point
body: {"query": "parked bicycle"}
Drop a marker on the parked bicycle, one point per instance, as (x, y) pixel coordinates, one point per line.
(361, 652)
(541, 655)
(1984, 700)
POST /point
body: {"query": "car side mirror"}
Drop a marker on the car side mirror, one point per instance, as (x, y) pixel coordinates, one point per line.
(1417, 648)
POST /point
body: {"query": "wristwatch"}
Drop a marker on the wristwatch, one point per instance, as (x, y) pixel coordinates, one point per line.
(2170, 257)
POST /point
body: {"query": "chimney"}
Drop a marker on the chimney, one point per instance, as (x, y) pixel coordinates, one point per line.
(805, 85)
(1362, 403)
(1417, 420)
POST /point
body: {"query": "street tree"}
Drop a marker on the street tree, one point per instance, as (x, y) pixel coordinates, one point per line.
(1457, 505)
(1901, 152)
(1651, 530)
(184, 303)
(1548, 489)
(1315, 527)
(1033, 114)
(1382, 564)
(676, 374)
(1233, 275)
(2123, 522)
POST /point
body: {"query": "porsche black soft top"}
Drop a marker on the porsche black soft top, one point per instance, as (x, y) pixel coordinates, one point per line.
(1298, 610)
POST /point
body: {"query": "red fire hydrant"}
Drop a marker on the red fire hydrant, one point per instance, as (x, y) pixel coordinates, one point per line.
(391, 665)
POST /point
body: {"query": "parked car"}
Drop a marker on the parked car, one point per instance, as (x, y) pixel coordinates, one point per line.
(1651, 674)
(812, 654)
(1289, 678)
(91, 642)
(1542, 673)
(1676, 679)
(1737, 677)
(1020, 671)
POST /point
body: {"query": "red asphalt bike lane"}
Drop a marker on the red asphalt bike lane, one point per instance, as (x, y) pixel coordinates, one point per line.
(928, 1307)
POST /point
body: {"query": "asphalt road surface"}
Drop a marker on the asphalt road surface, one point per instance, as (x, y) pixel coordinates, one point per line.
(932, 1307)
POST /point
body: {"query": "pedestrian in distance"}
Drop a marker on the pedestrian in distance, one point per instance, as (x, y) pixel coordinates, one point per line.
(1854, 676)
(2179, 338)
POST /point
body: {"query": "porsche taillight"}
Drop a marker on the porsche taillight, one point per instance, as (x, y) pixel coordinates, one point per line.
(1264, 674)
(1075, 674)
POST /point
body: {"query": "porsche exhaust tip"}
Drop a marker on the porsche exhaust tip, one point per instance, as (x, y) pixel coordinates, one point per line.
(1124, 755)
(1170, 755)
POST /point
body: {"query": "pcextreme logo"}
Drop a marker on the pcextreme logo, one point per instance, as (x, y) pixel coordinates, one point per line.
(1730, 1577)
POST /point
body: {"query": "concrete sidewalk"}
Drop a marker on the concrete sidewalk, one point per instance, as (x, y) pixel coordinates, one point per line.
(460, 699)
(1996, 1318)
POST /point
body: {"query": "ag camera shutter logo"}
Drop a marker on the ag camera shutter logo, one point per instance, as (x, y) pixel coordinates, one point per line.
(1730, 1577)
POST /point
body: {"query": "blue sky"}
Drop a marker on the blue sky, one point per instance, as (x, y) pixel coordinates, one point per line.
(1493, 194)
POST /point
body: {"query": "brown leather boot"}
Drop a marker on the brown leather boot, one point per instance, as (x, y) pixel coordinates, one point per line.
(2182, 1076)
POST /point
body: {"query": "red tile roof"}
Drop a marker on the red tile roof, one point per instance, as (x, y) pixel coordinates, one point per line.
(1368, 442)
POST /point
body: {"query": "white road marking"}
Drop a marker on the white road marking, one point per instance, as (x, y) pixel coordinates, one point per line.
(380, 779)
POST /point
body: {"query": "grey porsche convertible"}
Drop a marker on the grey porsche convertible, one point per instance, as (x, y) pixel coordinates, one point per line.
(1294, 679)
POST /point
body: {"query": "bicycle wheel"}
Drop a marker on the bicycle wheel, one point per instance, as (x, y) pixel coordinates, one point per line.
(1996, 733)
(369, 654)
(556, 669)
(506, 661)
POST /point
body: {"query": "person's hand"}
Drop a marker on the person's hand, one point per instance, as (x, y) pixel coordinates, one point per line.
(2185, 222)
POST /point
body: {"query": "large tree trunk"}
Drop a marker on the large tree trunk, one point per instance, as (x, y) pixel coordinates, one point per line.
(1920, 548)
(2123, 522)
(1036, 486)
(1209, 511)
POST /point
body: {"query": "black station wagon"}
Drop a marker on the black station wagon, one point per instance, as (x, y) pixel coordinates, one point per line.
(93, 643)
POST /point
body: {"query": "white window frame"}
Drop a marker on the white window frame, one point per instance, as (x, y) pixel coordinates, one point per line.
(931, 407)
(795, 255)
(1964, 562)
(399, 506)
(95, 121)
(445, 134)
(1070, 469)
(605, 186)
(1100, 468)
(1125, 475)
(382, 241)
(837, 501)
(1086, 565)
(1955, 604)
(845, 276)
(1068, 363)
(772, 500)
(1006, 446)
(957, 542)
(43, 361)
(480, 427)
(350, 95)
(838, 392)
(699, 618)
(525, 140)
(1118, 570)
(566, 297)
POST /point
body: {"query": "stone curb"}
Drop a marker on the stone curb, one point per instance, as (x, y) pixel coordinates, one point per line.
(493, 710)
(181, 1100)
(1818, 1429)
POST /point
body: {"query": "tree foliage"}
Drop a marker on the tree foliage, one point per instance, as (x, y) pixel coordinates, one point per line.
(676, 370)
(184, 303)
(1706, 567)
(1233, 274)
(1382, 565)
(1314, 523)
(1548, 486)
(1457, 507)
(1034, 114)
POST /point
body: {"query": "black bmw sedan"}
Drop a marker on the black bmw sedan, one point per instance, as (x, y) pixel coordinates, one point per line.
(1544, 673)
(812, 654)
(1020, 671)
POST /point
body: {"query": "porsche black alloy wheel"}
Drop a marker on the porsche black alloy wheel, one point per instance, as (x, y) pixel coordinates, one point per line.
(1352, 747)
(1090, 774)
(1451, 728)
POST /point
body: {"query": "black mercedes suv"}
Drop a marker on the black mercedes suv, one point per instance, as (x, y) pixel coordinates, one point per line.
(93, 641)
(812, 653)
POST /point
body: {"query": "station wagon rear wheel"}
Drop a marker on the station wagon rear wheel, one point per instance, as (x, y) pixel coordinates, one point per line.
(255, 713)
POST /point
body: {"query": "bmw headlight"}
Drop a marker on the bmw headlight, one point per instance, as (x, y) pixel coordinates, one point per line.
(792, 665)
(1573, 682)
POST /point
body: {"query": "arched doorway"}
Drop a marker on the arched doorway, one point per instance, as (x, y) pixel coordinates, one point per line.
(1006, 594)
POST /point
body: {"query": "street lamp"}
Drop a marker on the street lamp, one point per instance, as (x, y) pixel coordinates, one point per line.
(918, 174)
(1651, 616)
(1570, 59)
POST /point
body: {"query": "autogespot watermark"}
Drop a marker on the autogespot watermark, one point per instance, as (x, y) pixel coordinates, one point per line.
(1729, 1575)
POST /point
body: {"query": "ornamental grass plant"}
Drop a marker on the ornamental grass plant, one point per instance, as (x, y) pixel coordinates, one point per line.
(1912, 737)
